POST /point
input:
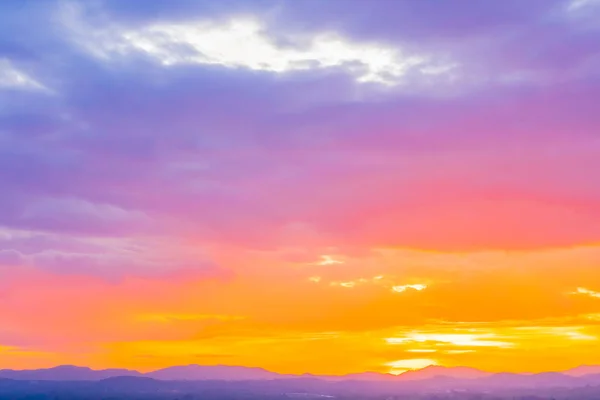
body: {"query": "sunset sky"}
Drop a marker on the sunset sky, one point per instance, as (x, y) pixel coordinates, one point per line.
(323, 186)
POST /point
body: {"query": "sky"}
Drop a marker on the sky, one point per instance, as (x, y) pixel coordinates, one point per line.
(305, 186)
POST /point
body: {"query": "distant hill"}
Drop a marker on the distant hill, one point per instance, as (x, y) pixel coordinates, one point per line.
(217, 372)
(438, 371)
(430, 377)
(583, 370)
(66, 373)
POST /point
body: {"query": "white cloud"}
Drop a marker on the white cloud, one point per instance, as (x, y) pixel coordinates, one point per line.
(327, 260)
(379, 280)
(576, 5)
(12, 78)
(349, 284)
(575, 335)
(459, 351)
(421, 350)
(404, 288)
(245, 42)
(588, 292)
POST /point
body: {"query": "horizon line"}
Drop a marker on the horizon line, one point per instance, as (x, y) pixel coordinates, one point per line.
(303, 373)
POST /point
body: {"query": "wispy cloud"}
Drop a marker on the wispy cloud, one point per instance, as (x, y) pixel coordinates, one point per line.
(404, 288)
(381, 281)
(587, 292)
(455, 339)
(328, 260)
(13, 78)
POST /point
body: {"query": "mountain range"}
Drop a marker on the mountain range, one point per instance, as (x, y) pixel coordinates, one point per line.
(434, 376)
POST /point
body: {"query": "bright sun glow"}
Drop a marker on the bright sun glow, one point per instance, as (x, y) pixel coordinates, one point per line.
(400, 366)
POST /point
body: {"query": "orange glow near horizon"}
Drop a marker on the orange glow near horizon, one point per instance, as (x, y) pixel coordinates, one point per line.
(292, 323)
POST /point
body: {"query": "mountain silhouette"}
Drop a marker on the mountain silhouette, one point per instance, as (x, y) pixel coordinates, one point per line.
(433, 371)
(217, 372)
(583, 370)
(66, 373)
(433, 376)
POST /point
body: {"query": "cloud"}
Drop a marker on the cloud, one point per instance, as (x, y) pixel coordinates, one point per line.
(219, 42)
(403, 288)
(579, 8)
(243, 43)
(468, 338)
(111, 258)
(12, 78)
(10, 258)
(71, 214)
(587, 292)
(116, 265)
(386, 282)
(328, 260)
(455, 339)
(574, 333)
